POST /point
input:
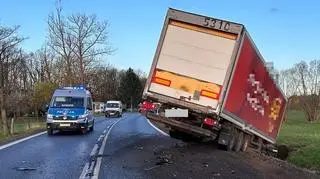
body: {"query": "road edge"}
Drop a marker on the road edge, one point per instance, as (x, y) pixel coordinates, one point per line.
(21, 140)
(156, 128)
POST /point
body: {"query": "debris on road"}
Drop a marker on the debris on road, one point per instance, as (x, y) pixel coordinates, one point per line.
(216, 174)
(153, 167)
(138, 148)
(206, 165)
(24, 169)
(181, 145)
(164, 158)
(158, 149)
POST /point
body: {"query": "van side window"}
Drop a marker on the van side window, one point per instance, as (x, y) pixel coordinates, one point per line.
(89, 103)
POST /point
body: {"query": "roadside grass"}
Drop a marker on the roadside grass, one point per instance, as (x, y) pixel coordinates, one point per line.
(3, 137)
(303, 140)
(23, 127)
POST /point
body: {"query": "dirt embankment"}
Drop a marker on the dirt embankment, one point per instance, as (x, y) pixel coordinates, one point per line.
(194, 160)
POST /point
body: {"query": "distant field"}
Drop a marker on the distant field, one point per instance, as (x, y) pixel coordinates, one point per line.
(303, 140)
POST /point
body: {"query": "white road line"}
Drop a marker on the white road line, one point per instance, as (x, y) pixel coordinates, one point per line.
(159, 130)
(91, 166)
(97, 169)
(106, 137)
(21, 140)
(98, 164)
(100, 138)
(84, 171)
(94, 150)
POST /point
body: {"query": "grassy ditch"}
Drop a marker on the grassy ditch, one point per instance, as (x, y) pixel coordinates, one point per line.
(303, 140)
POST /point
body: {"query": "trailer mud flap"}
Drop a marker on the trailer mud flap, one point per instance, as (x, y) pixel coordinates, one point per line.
(193, 130)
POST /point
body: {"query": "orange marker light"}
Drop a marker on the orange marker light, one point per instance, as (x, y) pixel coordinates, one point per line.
(161, 81)
(209, 94)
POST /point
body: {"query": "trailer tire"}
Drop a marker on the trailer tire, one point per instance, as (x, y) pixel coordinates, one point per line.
(246, 141)
(239, 141)
(232, 140)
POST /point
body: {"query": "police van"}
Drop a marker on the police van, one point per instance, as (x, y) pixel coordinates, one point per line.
(71, 108)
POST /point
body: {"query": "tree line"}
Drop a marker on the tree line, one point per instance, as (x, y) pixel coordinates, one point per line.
(74, 53)
(301, 85)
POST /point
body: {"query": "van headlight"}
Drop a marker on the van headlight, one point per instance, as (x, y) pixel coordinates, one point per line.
(82, 118)
(49, 116)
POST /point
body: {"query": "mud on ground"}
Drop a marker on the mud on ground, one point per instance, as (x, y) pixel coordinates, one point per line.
(194, 160)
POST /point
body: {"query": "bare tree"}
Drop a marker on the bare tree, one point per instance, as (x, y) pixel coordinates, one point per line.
(104, 83)
(288, 82)
(61, 42)
(307, 82)
(9, 41)
(40, 65)
(79, 40)
(91, 40)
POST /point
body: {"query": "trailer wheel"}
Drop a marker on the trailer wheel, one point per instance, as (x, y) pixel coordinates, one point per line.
(233, 139)
(246, 141)
(239, 141)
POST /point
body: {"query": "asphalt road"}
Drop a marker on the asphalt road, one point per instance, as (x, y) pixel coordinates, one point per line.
(62, 155)
(131, 148)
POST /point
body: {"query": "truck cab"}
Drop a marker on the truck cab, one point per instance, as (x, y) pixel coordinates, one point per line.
(71, 108)
(113, 108)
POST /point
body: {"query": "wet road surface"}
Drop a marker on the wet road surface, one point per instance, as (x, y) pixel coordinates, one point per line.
(131, 142)
(62, 155)
(132, 148)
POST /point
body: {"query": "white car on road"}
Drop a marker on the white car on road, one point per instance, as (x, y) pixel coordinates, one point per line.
(113, 108)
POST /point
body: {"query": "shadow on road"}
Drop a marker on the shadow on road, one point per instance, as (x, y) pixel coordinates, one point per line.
(68, 133)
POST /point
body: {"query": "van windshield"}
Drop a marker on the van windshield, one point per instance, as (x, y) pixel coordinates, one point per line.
(67, 102)
(112, 105)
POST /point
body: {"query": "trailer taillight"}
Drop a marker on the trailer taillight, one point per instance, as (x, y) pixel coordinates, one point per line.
(161, 81)
(209, 94)
(210, 122)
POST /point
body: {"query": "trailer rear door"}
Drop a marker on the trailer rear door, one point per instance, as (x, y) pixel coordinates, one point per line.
(193, 63)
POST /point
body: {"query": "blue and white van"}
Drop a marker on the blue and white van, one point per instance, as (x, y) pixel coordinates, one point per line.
(71, 108)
